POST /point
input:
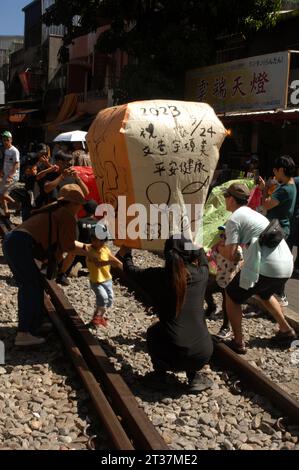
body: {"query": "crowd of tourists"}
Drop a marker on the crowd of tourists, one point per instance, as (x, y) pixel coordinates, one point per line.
(254, 258)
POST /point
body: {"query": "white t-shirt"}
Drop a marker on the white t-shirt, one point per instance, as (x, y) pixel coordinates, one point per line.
(244, 225)
(11, 157)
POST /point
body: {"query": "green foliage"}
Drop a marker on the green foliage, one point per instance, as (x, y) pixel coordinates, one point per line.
(165, 37)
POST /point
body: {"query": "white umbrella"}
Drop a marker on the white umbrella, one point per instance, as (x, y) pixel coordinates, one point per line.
(74, 136)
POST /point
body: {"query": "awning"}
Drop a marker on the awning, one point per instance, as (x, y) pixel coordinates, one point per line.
(67, 109)
(82, 123)
(19, 115)
(290, 114)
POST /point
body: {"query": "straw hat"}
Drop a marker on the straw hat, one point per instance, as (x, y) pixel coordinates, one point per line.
(71, 193)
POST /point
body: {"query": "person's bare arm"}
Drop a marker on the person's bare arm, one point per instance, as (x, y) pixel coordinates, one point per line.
(270, 203)
(43, 173)
(267, 202)
(229, 251)
(51, 185)
(81, 183)
(116, 263)
(14, 170)
(82, 249)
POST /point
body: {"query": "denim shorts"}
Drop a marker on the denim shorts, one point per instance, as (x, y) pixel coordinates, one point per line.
(104, 293)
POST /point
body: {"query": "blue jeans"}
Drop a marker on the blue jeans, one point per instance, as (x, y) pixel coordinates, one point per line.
(104, 293)
(18, 251)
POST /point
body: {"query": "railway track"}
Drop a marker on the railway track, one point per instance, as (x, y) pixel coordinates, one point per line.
(126, 424)
(248, 375)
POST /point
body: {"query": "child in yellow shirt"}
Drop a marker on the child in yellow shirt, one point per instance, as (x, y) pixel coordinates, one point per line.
(99, 261)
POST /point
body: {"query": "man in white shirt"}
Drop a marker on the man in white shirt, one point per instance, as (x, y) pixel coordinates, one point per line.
(276, 266)
(10, 173)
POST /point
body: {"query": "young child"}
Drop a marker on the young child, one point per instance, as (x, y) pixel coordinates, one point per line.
(222, 271)
(99, 261)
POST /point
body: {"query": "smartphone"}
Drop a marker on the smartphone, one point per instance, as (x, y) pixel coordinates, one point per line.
(256, 177)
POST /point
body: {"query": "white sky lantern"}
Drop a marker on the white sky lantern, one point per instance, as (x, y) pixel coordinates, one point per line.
(154, 161)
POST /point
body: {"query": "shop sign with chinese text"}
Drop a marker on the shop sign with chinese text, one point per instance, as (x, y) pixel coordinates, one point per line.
(252, 83)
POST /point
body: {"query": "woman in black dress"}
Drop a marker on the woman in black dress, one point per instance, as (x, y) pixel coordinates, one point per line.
(180, 340)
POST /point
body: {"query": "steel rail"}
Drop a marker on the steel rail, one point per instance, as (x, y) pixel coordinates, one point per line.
(103, 408)
(140, 429)
(256, 379)
(117, 389)
(252, 376)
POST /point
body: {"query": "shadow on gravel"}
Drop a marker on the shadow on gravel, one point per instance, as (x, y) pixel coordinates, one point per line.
(2, 260)
(23, 365)
(136, 344)
(266, 343)
(142, 386)
(49, 353)
(9, 280)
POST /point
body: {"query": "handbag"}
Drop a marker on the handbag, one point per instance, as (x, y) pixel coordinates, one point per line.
(272, 235)
(227, 270)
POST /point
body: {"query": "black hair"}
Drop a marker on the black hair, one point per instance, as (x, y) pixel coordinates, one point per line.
(287, 163)
(90, 206)
(62, 156)
(240, 202)
(177, 258)
(41, 147)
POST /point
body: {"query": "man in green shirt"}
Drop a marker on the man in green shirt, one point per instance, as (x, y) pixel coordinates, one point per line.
(281, 203)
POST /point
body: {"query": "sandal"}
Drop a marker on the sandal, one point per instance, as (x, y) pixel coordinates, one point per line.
(283, 336)
(98, 321)
(238, 348)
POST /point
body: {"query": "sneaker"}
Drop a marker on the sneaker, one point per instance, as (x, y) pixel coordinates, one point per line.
(199, 383)
(27, 339)
(283, 300)
(99, 321)
(282, 336)
(62, 280)
(237, 348)
(224, 333)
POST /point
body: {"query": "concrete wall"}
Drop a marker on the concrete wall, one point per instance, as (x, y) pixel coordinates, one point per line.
(55, 44)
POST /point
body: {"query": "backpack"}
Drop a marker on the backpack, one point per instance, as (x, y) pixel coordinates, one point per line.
(272, 235)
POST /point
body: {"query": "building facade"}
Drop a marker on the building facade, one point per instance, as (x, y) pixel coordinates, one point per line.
(254, 88)
(8, 45)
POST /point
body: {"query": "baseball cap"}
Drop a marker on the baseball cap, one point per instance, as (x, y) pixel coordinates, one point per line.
(100, 231)
(7, 134)
(239, 191)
